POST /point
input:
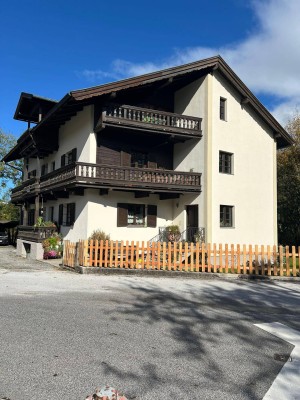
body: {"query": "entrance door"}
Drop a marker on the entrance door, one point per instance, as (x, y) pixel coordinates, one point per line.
(191, 222)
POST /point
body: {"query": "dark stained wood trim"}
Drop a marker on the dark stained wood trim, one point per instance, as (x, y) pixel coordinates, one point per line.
(80, 175)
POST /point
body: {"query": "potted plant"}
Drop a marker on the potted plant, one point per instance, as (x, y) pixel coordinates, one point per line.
(173, 233)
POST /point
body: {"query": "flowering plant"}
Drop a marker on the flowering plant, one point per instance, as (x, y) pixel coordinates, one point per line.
(50, 254)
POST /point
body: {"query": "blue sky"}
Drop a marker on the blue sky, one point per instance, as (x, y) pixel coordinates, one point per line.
(51, 47)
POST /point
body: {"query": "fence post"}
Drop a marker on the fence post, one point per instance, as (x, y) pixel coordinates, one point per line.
(76, 257)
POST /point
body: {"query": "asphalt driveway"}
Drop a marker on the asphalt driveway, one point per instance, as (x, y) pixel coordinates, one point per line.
(64, 334)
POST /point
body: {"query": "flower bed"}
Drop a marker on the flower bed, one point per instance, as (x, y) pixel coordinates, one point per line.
(53, 247)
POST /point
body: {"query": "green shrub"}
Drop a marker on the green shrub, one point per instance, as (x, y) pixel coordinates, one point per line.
(41, 223)
(53, 242)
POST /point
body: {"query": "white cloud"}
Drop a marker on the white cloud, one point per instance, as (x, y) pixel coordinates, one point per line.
(286, 110)
(267, 60)
(96, 75)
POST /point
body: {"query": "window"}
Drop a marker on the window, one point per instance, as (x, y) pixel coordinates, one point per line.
(44, 169)
(223, 108)
(31, 217)
(51, 214)
(139, 159)
(70, 214)
(136, 215)
(53, 166)
(226, 216)
(225, 162)
(66, 214)
(32, 174)
(69, 157)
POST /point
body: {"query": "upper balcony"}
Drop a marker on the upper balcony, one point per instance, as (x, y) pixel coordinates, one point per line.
(82, 175)
(148, 120)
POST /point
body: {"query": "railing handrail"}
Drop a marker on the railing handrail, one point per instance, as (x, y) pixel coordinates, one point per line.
(167, 171)
(181, 236)
(68, 167)
(26, 183)
(74, 171)
(151, 110)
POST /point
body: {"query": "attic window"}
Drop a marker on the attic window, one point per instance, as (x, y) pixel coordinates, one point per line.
(223, 108)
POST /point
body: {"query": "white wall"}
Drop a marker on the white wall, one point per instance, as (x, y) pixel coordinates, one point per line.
(250, 189)
(77, 132)
(190, 155)
(80, 227)
(102, 214)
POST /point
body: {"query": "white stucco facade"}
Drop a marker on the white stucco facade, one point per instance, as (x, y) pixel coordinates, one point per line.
(76, 133)
(250, 189)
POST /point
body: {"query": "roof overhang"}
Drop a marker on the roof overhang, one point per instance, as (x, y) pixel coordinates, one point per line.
(74, 101)
(30, 107)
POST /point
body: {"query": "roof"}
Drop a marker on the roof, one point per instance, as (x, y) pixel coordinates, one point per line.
(30, 106)
(74, 101)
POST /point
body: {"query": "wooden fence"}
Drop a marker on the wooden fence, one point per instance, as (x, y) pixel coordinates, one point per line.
(180, 256)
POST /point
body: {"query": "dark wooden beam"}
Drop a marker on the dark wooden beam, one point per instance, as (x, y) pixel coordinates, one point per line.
(103, 192)
(79, 191)
(63, 194)
(168, 196)
(245, 100)
(139, 195)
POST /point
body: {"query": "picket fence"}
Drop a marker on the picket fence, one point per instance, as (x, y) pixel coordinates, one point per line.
(180, 256)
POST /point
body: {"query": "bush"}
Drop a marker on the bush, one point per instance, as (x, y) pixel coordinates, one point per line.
(98, 234)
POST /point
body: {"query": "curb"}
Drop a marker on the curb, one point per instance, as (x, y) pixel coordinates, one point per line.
(176, 274)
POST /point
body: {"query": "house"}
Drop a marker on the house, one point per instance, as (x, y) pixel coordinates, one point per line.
(188, 146)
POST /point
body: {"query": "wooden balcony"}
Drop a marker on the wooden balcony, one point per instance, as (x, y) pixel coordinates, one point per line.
(115, 177)
(138, 178)
(148, 120)
(26, 189)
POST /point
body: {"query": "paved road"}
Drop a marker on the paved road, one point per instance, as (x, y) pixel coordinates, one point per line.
(64, 334)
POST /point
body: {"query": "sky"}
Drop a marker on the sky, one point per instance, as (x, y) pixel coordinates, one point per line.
(49, 48)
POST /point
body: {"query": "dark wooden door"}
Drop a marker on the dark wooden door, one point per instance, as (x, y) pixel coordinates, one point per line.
(191, 222)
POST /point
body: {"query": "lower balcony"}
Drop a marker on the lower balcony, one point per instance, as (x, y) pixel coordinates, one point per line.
(113, 177)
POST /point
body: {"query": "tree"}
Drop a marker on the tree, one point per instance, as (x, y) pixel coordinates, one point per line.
(288, 173)
(9, 212)
(8, 176)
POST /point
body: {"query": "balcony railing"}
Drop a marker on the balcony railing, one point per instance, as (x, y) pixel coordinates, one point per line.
(26, 189)
(86, 174)
(147, 119)
(35, 234)
(138, 177)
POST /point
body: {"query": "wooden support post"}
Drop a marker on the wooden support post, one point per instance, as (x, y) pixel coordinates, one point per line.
(37, 209)
(25, 214)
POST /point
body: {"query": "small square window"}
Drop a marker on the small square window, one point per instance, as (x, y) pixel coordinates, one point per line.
(225, 162)
(226, 216)
(136, 214)
(223, 110)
